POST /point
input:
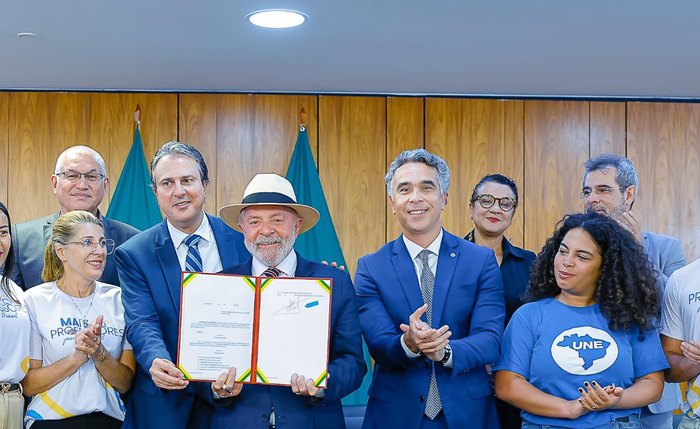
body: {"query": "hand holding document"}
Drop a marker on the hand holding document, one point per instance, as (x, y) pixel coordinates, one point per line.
(267, 328)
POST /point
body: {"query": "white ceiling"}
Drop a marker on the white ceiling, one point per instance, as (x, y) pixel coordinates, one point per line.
(608, 48)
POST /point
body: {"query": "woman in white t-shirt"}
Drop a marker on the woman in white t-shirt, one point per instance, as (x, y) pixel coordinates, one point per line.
(14, 333)
(80, 360)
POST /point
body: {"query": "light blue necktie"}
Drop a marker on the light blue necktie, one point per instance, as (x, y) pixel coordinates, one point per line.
(433, 405)
(193, 260)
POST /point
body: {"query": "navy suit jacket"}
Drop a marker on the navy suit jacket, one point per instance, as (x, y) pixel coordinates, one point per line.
(251, 408)
(29, 241)
(150, 278)
(468, 296)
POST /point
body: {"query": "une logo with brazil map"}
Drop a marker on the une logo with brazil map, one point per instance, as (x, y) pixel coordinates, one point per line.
(584, 350)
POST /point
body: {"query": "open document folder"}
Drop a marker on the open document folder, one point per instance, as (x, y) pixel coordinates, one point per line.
(267, 328)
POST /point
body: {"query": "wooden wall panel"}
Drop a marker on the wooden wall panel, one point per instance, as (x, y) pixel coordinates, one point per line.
(241, 135)
(556, 148)
(405, 130)
(198, 126)
(352, 156)
(475, 137)
(664, 145)
(541, 144)
(4, 147)
(42, 125)
(112, 128)
(607, 125)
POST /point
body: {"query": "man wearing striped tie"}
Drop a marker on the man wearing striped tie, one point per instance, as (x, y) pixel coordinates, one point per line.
(271, 219)
(431, 311)
(150, 267)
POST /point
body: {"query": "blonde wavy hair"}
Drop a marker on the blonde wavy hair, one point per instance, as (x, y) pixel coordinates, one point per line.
(62, 232)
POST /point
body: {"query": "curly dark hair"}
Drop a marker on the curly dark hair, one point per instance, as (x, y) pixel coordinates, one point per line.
(626, 289)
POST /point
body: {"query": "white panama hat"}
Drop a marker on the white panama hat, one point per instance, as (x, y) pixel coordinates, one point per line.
(267, 189)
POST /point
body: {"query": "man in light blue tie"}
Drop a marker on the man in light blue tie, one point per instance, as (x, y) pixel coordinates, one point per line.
(431, 311)
(150, 267)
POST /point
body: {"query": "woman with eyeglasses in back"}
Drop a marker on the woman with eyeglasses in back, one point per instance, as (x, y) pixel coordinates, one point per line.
(14, 333)
(80, 360)
(492, 207)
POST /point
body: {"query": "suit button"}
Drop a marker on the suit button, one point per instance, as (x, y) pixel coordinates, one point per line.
(421, 398)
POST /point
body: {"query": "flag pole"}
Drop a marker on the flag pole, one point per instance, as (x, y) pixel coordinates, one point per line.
(302, 119)
(137, 116)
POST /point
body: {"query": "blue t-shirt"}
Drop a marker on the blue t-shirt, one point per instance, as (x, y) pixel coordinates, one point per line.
(557, 347)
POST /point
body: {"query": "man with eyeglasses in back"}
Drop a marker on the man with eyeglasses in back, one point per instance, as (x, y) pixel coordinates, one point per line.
(610, 184)
(79, 182)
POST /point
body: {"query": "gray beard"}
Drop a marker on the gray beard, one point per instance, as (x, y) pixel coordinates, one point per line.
(270, 257)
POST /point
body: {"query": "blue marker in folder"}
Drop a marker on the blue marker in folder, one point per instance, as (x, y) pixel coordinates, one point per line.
(311, 304)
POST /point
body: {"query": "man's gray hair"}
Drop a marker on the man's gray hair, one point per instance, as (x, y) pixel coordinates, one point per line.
(626, 173)
(80, 150)
(175, 148)
(424, 157)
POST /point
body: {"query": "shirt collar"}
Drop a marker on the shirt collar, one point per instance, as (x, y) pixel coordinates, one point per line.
(512, 251)
(508, 248)
(288, 266)
(204, 231)
(414, 249)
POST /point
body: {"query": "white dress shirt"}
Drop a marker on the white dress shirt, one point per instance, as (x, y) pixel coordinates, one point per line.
(211, 261)
(413, 250)
(288, 266)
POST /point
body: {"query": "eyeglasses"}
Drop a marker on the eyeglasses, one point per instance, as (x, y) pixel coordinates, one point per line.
(90, 244)
(598, 190)
(74, 176)
(487, 201)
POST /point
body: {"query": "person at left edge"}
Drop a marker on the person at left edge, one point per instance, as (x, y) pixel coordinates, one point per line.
(79, 182)
(150, 266)
(271, 219)
(14, 331)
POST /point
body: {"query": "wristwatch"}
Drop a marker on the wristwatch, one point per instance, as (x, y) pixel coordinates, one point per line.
(447, 355)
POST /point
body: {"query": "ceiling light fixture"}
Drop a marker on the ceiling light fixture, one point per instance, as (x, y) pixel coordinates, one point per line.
(26, 35)
(276, 18)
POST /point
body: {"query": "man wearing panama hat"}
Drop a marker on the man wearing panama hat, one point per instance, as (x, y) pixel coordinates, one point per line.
(271, 219)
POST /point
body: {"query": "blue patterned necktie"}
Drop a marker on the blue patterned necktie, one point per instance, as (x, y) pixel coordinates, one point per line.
(427, 285)
(193, 260)
(271, 272)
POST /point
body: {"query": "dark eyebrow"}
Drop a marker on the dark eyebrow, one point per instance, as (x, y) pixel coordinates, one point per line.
(586, 252)
(427, 182)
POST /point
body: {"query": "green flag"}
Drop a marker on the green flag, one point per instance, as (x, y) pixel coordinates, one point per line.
(134, 202)
(320, 243)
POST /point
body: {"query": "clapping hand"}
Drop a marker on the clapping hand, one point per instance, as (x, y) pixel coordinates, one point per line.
(596, 398)
(89, 341)
(421, 338)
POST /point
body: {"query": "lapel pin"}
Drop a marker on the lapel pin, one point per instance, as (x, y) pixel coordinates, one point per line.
(452, 255)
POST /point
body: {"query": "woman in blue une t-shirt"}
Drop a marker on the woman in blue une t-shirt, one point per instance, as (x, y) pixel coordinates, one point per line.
(584, 353)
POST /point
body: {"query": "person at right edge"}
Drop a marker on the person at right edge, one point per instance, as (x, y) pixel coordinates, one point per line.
(610, 185)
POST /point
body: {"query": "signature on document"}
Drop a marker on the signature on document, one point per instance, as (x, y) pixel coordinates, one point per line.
(295, 305)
